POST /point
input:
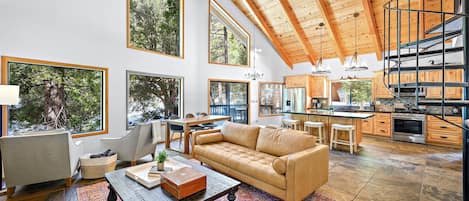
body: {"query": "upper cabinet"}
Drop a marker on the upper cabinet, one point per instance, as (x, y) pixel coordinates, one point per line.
(318, 86)
(315, 86)
(450, 92)
(379, 89)
(296, 81)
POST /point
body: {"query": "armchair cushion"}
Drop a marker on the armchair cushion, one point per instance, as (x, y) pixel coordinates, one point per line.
(278, 142)
(209, 138)
(240, 134)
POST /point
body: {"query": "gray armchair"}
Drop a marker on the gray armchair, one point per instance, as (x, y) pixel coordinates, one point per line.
(39, 157)
(138, 143)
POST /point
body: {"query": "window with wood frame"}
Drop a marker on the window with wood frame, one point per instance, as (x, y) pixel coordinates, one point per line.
(56, 96)
(156, 26)
(152, 96)
(229, 43)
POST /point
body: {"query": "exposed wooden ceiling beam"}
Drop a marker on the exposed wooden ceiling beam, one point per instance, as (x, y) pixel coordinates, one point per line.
(326, 15)
(268, 31)
(299, 32)
(370, 18)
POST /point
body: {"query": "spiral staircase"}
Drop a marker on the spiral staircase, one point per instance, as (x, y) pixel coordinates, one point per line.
(408, 57)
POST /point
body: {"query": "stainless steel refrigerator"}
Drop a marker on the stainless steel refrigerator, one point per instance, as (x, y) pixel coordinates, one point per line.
(294, 99)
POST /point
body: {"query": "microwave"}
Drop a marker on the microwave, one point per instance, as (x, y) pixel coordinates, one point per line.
(411, 91)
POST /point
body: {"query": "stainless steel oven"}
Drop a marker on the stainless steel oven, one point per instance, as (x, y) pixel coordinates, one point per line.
(409, 127)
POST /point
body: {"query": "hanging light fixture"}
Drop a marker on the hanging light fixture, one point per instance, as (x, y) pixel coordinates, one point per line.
(354, 64)
(320, 67)
(253, 74)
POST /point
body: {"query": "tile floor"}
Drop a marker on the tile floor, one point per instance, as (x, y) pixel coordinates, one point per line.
(382, 170)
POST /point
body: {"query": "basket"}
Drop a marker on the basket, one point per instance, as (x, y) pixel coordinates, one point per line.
(93, 168)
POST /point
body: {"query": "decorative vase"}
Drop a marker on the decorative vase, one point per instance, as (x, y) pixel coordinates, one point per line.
(160, 166)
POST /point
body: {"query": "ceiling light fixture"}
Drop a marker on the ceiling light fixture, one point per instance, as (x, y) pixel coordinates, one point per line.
(253, 74)
(354, 64)
(320, 67)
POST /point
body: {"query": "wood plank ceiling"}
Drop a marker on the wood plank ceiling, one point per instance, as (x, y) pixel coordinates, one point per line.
(292, 25)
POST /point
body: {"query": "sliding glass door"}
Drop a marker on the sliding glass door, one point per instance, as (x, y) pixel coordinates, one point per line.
(230, 98)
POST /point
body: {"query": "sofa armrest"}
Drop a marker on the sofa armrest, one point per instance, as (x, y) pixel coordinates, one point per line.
(202, 132)
(307, 170)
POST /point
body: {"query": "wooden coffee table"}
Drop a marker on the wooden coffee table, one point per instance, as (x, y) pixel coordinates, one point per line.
(218, 185)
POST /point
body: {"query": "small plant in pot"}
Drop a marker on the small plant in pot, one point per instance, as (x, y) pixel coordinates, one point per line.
(161, 158)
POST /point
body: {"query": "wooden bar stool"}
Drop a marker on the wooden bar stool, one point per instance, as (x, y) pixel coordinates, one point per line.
(318, 125)
(291, 124)
(352, 136)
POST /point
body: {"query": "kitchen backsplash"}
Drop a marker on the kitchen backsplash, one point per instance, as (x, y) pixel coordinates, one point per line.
(387, 104)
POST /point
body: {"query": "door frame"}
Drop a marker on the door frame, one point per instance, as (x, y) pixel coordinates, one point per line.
(235, 81)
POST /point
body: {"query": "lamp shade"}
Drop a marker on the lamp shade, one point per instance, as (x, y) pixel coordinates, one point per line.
(9, 94)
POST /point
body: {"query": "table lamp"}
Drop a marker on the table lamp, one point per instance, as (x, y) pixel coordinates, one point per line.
(9, 95)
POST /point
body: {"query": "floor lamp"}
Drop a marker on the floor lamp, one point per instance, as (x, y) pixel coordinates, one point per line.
(9, 95)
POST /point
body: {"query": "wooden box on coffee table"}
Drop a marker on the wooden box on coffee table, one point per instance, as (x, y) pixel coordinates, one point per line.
(184, 182)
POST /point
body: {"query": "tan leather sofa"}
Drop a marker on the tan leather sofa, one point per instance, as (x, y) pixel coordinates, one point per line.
(285, 163)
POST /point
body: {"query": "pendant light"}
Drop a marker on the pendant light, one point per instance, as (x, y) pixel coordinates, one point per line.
(253, 74)
(320, 67)
(354, 64)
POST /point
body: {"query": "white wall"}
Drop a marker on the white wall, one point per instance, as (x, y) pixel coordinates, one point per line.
(91, 32)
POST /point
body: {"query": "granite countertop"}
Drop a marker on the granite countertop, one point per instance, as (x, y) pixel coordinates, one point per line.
(353, 115)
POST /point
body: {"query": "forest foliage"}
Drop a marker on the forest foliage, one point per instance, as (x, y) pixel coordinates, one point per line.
(56, 98)
(153, 97)
(155, 25)
(225, 46)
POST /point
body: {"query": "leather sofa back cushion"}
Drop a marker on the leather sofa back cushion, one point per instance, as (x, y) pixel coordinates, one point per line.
(240, 134)
(280, 142)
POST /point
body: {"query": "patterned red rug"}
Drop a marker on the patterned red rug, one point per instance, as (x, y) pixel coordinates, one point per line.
(99, 192)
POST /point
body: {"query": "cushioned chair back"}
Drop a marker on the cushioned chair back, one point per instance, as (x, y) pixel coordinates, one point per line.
(145, 139)
(35, 158)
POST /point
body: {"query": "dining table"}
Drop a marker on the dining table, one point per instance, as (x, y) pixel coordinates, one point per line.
(186, 123)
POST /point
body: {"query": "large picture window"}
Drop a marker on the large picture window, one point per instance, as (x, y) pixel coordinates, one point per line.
(156, 26)
(229, 42)
(229, 98)
(151, 96)
(351, 92)
(56, 96)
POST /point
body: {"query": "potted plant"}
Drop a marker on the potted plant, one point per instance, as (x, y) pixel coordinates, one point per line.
(161, 158)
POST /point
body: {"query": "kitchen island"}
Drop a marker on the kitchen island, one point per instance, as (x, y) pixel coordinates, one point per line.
(330, 117)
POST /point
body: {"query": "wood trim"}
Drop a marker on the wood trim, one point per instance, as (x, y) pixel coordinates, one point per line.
(239, 25)
(333, 32)
(422, 20)
(371, 19)
(151, 51)
(228, 80)
(259, 99)
(6, 59)
(299, 32)
(269, 32)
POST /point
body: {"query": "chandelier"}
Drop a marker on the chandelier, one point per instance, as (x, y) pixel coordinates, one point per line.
(355, 64)
(320, 67)
(253, 74)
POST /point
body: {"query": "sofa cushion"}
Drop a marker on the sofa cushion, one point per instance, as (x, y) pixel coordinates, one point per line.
(280, 164)
(280, 142)
(240, 134)
(209, 138)
(244, 160)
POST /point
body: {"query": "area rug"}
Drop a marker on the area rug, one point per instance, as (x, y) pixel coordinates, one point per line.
(94, 192)
(99, 192)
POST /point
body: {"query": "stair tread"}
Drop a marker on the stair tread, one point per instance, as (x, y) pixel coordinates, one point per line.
(456, 103)
(427, 68)
(431, 84)
(453, 24)
(432, 41)
(411, 56)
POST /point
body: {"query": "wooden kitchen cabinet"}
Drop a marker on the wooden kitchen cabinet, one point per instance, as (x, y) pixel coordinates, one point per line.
(296, 81)
(368, 125)
(442, 133)
(450, 92)
(379, 89)
(407, 77)
(382, 124)
(318, 87)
